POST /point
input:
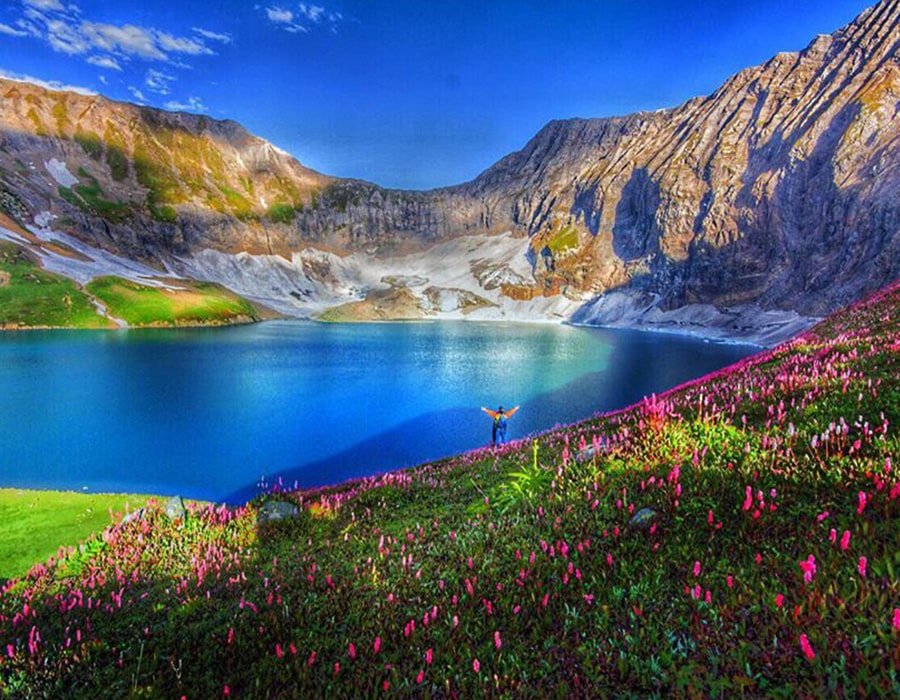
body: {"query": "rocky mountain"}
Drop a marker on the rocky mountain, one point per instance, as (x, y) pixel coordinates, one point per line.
(774, 199)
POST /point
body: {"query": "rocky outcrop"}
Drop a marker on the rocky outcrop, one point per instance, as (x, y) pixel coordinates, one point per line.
(780, 192)
(780, 189)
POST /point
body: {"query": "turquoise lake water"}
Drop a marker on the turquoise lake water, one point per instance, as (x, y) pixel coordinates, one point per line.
(207, 412)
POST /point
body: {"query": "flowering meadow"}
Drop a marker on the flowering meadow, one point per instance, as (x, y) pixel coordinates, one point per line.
(764, 562)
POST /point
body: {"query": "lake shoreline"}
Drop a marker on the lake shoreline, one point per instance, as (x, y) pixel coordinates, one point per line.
(758, 337)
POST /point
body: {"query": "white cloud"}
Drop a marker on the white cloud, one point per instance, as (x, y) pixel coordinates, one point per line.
(193, 104)
(104, 62)
(47, 84)
(181, 45)
(279, 15)
(11, 31)
(65, 31)
(137, 94)
(127, 39)
(314, 13)
(29, 28)
(65, 38)
(213, 36)
(157, 81)
(53, 5)
(310, 14)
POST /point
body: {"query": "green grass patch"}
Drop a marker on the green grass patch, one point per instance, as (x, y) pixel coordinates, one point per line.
(566, 239)
(90, 143)
(37, 523)
(89, 198)
(280, 213)
(30, 296)
(141, 305)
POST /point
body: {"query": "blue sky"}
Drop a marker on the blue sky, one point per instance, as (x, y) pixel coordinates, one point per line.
(406, 94)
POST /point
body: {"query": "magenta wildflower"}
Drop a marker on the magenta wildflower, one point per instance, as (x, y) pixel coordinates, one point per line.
(497, 641)
(779, 600)
(807, 647)
(696, 569)
(377, 645)
(809, 568)
(862, 503)
(429, 656)
(896, 621)
(476, 665)
(845, 540)
(862, 566)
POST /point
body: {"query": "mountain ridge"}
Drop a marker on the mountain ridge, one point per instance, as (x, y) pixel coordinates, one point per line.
(776, 192)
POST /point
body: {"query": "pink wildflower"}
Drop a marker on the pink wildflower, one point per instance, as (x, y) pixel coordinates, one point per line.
(476, 666)
(779, 600)
(896, 618)
(729, 580)
(862, 566)
(279, 652)
(429, 656)
(352, 651)
(809, 568)
(845, 540)
(377, 645)
(862, 503)
(497, 641)
(421, 676)
(807, 647)
(696, 569)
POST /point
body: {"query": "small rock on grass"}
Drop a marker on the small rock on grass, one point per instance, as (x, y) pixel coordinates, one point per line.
(175, 508)
(643, 519)
(274, 511)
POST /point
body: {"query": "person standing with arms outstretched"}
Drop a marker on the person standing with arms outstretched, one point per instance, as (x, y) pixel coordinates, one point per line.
(498, 431)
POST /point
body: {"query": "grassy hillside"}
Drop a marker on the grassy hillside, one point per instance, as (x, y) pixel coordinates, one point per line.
(191, 303)
(37, 523)
(30, 296)
(769, 568)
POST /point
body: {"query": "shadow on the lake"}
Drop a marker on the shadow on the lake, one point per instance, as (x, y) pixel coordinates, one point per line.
(631, 374)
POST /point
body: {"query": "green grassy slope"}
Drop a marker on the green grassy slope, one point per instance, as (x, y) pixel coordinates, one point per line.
(191, 303)
(37, 523)
(30, 296)
(770, 567)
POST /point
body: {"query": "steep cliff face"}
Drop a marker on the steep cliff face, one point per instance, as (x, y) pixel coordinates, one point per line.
(781, 190)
